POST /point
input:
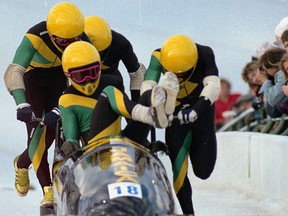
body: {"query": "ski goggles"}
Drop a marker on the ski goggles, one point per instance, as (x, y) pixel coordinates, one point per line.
(64, 42)
(85, 73)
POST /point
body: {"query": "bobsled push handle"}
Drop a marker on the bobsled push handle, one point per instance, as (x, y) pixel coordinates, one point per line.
(36, 119)
(58, 134)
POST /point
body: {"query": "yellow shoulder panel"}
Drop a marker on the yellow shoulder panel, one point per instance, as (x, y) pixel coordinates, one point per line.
(156, 54)
(45, 57)
(67, 100)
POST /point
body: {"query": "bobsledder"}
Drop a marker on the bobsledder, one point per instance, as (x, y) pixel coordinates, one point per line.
(112, 176)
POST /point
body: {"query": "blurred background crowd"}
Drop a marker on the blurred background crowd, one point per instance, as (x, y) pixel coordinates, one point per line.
(266, 75)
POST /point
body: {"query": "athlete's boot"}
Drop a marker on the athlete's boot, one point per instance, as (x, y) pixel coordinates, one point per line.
(22, 183)
(158, 101)
(48, 200)
(154, 115)
(171, 86)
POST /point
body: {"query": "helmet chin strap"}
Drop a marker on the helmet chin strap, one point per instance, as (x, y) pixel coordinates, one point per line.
(59, 48)
(187, 76)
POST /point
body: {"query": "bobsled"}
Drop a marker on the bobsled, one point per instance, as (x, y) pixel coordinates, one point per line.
(112, 176)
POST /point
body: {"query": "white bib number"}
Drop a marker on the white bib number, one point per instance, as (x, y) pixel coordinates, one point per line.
(121, 189)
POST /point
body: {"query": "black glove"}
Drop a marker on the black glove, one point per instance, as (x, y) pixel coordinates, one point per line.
(69, 147)
(25, 113)
(159, 146)
(201, 105)
(51, 118)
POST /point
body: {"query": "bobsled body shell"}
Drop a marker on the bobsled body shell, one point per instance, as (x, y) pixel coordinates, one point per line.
(113, 176)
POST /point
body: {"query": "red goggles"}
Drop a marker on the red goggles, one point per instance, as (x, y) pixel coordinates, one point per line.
(63, 42)
(85, 73)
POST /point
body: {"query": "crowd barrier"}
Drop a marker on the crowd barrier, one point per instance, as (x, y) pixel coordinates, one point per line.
(257, 121)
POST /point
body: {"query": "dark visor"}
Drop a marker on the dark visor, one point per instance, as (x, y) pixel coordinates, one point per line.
(63, 42)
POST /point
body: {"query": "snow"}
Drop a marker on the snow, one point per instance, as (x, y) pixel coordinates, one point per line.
(234, 29)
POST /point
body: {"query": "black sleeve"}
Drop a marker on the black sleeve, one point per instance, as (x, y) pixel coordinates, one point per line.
(127, 53)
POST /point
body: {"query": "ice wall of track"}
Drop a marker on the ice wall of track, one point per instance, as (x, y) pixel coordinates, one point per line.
(254, 164)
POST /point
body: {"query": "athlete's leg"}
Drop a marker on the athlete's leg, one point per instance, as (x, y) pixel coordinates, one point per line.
(135, 130)
(105, 121)
(112, 104)
(23, 161)
(203, 151)
(106, 117)
(52, 94)
(55, 86)
(42, 92)
(178, 138)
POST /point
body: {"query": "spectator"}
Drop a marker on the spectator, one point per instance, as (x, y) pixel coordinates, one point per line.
(281, 27)
(284, 68)
(284, 65)
(243, 103)
(248, 74)
(224, 102)
(284, 39)
(272, 90)
(262, 49)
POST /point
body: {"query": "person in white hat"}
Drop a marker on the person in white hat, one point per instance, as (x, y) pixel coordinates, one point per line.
(281, 27)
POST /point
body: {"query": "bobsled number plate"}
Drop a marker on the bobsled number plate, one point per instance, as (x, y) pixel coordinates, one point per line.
(121, 189)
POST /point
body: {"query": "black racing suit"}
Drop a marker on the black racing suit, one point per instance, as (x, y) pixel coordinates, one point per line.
(197, 139)
(106, 118)
(44, 83)
(77, 108)
(120, 49)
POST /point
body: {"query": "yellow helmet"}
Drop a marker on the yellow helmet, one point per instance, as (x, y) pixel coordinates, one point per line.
(81, 64)
(65, 20)
(98, 31)
(178, 54)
